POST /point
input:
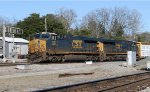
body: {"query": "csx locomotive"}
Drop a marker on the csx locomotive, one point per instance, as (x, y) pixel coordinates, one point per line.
(58, 48)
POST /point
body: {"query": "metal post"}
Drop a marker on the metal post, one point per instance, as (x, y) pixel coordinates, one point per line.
(13, 42)
(4, 30)
(45, 25)
(13, 50)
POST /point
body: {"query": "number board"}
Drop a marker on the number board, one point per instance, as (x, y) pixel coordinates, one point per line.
(118, 46)
(77, 43)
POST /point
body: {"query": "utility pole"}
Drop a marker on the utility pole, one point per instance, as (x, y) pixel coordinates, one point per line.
(4, 30)
(45, 25)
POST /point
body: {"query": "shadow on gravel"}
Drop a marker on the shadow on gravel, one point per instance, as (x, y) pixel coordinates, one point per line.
(71, 61)
(73, 74)
(68, 61)
(144, 69)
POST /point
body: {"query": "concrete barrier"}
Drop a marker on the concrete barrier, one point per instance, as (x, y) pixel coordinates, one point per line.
(22, 67)
(131, 58)
(148, 65)
(88, 62)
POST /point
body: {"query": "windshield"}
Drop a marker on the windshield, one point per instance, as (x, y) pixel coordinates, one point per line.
(45, 36)
(36, 36)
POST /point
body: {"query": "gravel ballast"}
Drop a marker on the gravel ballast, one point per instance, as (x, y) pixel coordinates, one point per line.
(47, 75)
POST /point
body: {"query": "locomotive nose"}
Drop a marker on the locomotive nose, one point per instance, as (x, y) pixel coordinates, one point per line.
(33, 46)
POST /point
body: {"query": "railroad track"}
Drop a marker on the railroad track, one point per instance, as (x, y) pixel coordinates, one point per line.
(41, 63)
(127, 83)
(13, 64)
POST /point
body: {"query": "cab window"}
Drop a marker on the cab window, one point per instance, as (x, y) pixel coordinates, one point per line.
(53, 37)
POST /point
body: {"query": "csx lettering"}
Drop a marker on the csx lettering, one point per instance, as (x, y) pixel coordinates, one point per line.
(118, 46)
(77, 43)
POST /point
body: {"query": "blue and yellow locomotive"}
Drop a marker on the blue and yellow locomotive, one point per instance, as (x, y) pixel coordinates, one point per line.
(57, 48)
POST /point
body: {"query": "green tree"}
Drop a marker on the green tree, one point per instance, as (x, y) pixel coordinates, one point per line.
(83, 32)
(31, 25)
(143, 37)
(54, 24)
(35, 24)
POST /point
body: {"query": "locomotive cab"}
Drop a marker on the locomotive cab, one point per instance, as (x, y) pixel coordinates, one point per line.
(38, 44)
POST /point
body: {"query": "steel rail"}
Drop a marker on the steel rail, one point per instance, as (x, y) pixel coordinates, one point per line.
(104, 85)
(12, 64)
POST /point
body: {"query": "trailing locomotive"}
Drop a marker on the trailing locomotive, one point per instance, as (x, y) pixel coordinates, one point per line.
(57, 48)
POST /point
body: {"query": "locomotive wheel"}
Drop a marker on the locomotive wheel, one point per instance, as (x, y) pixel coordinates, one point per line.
(88, 58)
(123, 59)
(96, 58)
(93, 58)
(138, 58)
(32, 59)
(62, 59)
(59, 59)
(54, 59)
(113, 59)
(101, 59)
(109, 58)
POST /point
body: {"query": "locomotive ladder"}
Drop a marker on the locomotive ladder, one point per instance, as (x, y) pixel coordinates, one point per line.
(100, 49)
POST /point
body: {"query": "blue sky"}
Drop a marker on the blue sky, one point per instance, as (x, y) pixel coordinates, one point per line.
(20, 9)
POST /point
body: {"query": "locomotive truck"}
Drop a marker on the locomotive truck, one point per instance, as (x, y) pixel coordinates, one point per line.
(58, 48)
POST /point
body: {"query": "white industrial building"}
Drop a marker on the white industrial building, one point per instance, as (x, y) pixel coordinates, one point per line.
(18, 49)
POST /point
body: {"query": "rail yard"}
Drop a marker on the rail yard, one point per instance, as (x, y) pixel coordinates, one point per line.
(93, 47)
(77, 64)
(134, 82)
(40, 77)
